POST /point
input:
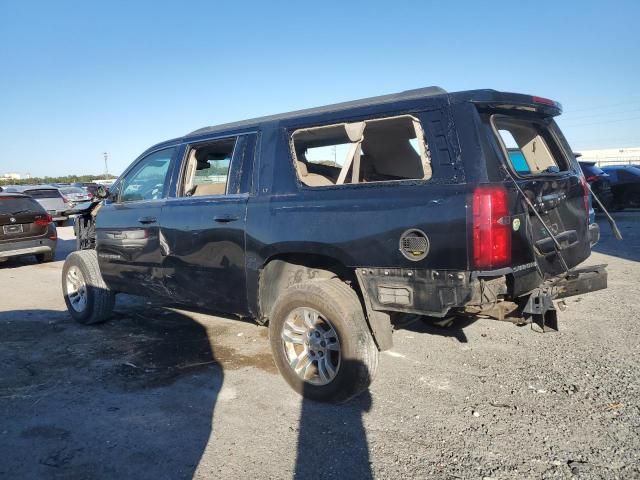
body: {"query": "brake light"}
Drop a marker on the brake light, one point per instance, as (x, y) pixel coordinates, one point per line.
(591, 178)
(491, 227)
(586, 193)
(43, 221)
(65, 199)
(544, 101)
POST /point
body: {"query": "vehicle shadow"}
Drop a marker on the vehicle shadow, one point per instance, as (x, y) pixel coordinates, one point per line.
(628, 222)
(131, 398)
(453, 328)
(63, 248)
(332, 440)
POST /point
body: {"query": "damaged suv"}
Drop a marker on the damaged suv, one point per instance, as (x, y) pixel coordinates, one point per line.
(328, 223)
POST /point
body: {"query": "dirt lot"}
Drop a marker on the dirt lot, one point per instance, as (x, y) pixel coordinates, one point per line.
(162, 393)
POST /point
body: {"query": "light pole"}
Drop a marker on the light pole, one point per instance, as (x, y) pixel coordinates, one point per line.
(106, 166)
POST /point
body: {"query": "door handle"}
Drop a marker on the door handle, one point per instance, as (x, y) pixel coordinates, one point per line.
(225, 218)
(145, 220)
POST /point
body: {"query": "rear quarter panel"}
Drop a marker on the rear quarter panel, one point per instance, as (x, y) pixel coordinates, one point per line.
(358, 225)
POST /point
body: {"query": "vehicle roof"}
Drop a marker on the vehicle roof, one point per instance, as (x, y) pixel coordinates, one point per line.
(364, 105)
(13, 195)
(336, 107)
(24, 188)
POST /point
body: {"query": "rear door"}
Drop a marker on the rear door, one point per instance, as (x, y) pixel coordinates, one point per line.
(203, 227)
(128, 226)
(541, 162)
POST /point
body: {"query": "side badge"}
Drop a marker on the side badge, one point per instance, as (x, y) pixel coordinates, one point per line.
(516, 224)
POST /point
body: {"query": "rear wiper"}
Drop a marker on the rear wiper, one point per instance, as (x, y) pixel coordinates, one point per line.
(20, 211)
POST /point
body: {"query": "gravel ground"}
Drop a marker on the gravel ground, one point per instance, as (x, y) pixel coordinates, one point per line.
(163, 393)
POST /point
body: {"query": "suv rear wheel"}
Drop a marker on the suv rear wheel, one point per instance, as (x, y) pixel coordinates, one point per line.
(320, 340)
(88, 298)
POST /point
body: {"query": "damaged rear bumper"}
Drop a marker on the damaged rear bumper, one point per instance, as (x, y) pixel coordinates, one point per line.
(435, 293)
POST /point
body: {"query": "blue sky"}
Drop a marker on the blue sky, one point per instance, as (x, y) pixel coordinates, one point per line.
(81, 78)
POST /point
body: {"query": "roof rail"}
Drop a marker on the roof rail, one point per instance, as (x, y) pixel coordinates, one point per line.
(394, 97)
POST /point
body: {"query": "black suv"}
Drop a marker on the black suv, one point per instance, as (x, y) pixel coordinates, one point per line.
(329, 223)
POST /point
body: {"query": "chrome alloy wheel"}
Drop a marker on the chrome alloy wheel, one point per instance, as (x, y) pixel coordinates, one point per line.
(311, 345)
(76, 289)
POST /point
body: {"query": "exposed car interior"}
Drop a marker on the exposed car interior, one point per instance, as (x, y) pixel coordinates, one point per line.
(376, 150)
(530, 147)
(207, 168)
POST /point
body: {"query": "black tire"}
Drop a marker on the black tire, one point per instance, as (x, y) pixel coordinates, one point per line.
(339, 304)
(99, 300)
(44, 257)
(61, 223)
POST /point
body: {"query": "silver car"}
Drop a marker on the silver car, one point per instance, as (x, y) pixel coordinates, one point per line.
(75, 195)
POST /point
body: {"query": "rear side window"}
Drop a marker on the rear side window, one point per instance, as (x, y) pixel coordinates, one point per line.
(43, 193)
(377, 150)
(207, 168)
(530, 147)
(13, 205)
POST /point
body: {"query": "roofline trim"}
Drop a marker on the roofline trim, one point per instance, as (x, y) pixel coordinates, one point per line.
(363, 102)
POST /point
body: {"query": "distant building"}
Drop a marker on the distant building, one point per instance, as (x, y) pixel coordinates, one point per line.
(612, 156)
(12, 176)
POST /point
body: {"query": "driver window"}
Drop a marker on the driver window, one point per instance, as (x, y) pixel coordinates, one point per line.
(207, 170)
(147, 180)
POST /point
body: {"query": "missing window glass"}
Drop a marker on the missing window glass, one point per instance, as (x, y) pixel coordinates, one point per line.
(530, 147)
(207, 169)
(378, 150)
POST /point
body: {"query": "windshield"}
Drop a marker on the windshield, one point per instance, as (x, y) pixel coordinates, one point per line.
(72, 191)
(43, 193)
(12, 205)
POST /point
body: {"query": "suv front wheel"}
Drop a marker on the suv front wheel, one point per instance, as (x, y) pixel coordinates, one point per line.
(88, 298)
(320, 340)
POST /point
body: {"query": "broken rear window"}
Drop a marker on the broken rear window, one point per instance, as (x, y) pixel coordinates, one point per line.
(377, 150)
(530, 146)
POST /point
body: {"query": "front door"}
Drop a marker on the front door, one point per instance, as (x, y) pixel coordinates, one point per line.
(204, 225)
(128, 227)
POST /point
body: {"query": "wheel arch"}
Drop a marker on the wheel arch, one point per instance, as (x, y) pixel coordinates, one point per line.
(283, 270)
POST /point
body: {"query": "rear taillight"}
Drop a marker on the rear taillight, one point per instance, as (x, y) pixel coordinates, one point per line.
(491, 227)
(65, 199)
(591, 178)
(44, 220)
(585, 193)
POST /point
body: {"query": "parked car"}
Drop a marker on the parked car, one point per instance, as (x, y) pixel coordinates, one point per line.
(89, 187)
(599, 181)
(75, 195)
(625, 185)
(329, 223)
(48, 196)
(25, 228)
